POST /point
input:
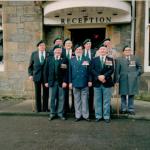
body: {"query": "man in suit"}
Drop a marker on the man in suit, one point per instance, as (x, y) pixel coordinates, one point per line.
(79, 79)
(55, 77)
(89, 54)
(102, 68)
(112, 52)
(36, 71)
(127, 74)
(68, 53)
(57, 41)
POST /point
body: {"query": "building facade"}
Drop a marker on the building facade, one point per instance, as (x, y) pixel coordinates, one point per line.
(24, 23)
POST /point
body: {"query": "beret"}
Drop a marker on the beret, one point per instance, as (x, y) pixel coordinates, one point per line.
(77, 46)
(56, 46)
(66, 41)
(86, 41)
(57, 38)
(40, 43)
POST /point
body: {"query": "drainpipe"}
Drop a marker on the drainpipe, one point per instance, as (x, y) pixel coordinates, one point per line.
(133, 26)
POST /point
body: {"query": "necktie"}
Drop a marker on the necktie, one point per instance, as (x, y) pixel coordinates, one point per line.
(87, 55)
(68, 56)
(102, 61)
(42, 58)
(79, 59)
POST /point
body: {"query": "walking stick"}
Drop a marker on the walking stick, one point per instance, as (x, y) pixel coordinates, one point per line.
(70, 98)
(33, 100)
(117, 101)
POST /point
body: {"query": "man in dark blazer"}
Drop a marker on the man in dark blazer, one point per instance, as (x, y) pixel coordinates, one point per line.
(127, 73)
(57, 41)
(36, 73)
(55, 77)
(89, 54)
(68, 53)
(79, 79)
(102, 68)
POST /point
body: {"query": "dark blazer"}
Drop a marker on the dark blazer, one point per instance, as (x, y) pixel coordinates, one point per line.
(49, 71)
(79, 74)
(93, 52)
(35, 68)
(107, 71)
(64, 53)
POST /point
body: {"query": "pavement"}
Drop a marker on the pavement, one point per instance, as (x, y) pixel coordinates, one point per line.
(25, 107)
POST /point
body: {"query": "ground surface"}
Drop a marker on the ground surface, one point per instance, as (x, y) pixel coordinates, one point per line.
(37, 133)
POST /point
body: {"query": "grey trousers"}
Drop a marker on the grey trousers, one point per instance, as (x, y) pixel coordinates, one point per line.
(81, 97)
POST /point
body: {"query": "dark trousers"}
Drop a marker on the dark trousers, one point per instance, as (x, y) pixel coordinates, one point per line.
(91, 100)
(38, 96)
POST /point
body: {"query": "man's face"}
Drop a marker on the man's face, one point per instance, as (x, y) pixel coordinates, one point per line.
(57, 52)
(88, 45)
(42, 47)
(127, 51)
(102, 51)
(58, 42)
(107, 43)
(68, 45)
(79, 51)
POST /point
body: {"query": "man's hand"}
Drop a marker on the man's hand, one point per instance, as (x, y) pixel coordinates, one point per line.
(46, 84)
(31, 78)
(101, 78)
(64, 85)
(89, 84)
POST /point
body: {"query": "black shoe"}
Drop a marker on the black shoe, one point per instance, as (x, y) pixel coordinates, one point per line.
(62, 118)
(77, 119)
(97, 120)
(87, 119)
(51, 118)
(123, 112)
(107, 120)
(131, 113)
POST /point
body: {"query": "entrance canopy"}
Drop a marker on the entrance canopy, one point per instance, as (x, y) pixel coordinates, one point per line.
(63, 12)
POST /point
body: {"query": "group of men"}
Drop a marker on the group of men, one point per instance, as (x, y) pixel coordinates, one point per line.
(63, 71)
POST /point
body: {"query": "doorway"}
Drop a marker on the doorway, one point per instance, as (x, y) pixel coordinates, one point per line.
(96, 35)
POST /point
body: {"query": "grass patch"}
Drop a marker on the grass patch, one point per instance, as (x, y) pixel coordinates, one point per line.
(11, 98)
(144, 96)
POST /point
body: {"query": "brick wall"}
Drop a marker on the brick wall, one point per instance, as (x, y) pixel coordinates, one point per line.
(22, 29)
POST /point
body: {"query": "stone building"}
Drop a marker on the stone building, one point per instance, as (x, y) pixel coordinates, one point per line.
(24, 23)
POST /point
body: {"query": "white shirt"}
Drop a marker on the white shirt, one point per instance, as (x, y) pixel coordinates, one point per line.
(40, 53)
(57, 57)
(104, 57)
(70, 52)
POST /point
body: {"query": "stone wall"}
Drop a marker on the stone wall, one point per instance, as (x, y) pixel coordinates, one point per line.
(22, 29)
(120, 35)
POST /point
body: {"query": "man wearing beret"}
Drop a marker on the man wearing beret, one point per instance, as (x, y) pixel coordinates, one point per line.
(68, 53)
(127, 73)
(89, 54)
(55, 77)
(102, 68)
(36, 73)
(79, 79)
(57, 41)
(111, 51)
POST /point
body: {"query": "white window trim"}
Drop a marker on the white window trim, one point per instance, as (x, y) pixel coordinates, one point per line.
(147, 26)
